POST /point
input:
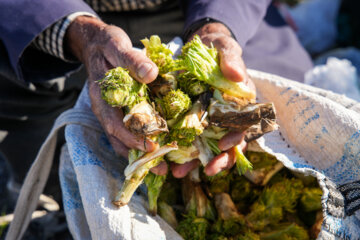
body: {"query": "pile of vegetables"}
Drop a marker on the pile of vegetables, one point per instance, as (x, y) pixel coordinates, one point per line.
(229, 206)
(187, 110)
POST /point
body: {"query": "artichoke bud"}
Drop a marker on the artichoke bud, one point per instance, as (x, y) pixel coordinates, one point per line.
(175, 103)
(203, 63)
(194, 228)
(286, 231)
(311, 199)
(189, 84)
(119, 89)
(160, 54)
(188, 127)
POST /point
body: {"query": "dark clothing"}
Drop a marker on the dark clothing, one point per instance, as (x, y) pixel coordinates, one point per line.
(21, 21)
(274, 48)
(28, 108)
(27, 112)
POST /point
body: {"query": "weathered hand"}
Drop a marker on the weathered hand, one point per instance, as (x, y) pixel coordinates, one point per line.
(101, 47)
(233, 68)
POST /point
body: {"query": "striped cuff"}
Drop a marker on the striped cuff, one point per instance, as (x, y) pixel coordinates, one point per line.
(51, 40)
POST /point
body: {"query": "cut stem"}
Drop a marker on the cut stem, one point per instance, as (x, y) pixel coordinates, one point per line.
(242, 163)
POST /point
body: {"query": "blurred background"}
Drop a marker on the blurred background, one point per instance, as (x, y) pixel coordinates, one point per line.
(330, 31)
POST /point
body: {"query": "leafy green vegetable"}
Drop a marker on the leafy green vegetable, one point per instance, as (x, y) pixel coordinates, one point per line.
(213, 145)
(311, 199)
(189, 84)
(175, 103)
(261, 160)
(241, 190)
(214, 132)
(160, 55)
(154, 184)
(286, 232)
(230, 227)
(208, 207)
(248, 235)
(188, 127)
(119, 89)
(220, 182)
(203, 62)
(273, 200)
(194, 228)
(216, 236)
(242, 164)
(170, 191)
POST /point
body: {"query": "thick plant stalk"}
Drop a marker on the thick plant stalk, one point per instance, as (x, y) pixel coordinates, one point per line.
(154, 184)
(167, 213)
(131, 184)
(137, 171)
(146, 158)
(229, 116)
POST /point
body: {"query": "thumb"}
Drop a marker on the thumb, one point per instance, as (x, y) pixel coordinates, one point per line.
(232, 67)
(231, 62)
(139, 65)
(230, 53)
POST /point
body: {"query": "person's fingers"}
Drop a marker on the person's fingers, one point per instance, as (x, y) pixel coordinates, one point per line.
(139, 65)
(111, 118)
(181, 170)
(221, 162)
(231, 62)
(230, 140)
(113, 48)
(114, 126)
(160, 169)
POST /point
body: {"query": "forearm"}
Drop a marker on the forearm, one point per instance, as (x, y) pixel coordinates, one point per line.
(17, 31)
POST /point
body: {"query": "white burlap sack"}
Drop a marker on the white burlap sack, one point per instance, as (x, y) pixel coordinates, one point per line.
(319, 135)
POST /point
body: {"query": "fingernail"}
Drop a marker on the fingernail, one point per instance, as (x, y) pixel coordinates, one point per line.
(150, 146)
(144, 69)
(225, 144)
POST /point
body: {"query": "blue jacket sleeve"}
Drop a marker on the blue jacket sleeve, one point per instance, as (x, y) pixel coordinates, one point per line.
(242, 17)
(22, 20)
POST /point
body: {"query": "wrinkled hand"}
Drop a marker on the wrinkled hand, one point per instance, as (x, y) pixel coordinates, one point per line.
(101, 47)
(233, 68)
